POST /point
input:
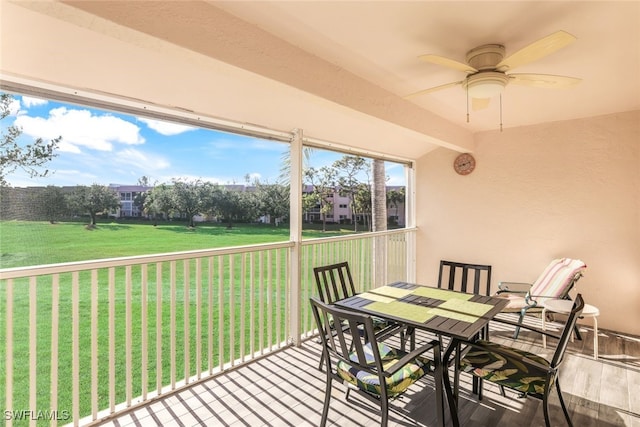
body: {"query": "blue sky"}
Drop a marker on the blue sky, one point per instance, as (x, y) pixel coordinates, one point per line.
(104, 148)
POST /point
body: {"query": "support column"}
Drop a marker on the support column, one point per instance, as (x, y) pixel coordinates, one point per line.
(295, 235)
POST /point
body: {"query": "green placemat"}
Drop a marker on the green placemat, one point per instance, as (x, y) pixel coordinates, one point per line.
(464, 311)
(441, 294)
(391, 291)
(376, 297)
(412, 312)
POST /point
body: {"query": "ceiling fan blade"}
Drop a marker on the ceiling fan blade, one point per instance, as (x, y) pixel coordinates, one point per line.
(543, 80)
(451, 63)
(479, 103)
(536, 50)
(432, 89)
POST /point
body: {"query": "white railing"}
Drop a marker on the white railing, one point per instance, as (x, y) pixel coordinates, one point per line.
(82, 341)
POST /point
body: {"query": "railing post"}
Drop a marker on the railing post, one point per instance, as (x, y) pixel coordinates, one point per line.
(295, 223)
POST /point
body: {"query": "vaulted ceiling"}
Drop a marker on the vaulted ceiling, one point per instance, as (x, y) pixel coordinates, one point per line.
(360, 59)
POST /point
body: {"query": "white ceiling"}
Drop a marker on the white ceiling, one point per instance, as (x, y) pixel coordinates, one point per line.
(337, 69)
(381, 40)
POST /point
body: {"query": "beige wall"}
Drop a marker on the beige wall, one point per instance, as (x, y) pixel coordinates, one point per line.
(563, 189)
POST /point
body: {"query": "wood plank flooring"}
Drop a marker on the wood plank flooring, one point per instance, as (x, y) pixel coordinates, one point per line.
(287, 389)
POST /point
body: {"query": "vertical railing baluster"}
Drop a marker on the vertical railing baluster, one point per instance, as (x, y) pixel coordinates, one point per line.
(55, 321)
(269, 301)
(159, 326)
(75, 347)
(172, 323)
(128, 327)
(243, 272)
(210, 319)
(232, 311)
(199, 317)
(9, 351)
(252, 304)
(112, 340)
(186, 319)
(144, 329)
(221, 304)
(278, 303)
(94, 344)
(33, 340)
(261, 301)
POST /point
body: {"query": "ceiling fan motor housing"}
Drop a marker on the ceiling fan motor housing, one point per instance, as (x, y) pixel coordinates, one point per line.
(485, 57)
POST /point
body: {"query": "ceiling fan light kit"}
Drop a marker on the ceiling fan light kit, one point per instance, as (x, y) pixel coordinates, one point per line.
(487, 68)
(485, 84)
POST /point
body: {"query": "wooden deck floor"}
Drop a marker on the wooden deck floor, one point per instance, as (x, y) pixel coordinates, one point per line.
(287, 389)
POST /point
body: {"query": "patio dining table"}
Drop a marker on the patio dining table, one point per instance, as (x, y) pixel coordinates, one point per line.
(457, 315)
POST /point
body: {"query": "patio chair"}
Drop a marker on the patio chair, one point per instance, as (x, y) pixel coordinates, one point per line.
(374, 369)
(457, 275)
(555, 282)
(517, 369)
(464, 277)
(335, 282)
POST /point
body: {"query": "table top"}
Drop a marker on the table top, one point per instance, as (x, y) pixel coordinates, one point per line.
(450, 313)
(565, 306)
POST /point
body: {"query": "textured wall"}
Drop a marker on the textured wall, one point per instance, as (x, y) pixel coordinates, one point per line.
(560, 189)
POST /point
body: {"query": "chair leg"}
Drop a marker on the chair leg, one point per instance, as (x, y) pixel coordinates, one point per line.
(520, 320)
(327, 398)
(384, 407)
(545, 404)
(564, 407)
(321, 361)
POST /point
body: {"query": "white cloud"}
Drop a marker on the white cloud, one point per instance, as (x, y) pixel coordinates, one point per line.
(144, 161)
(166, 128)
(80, 128)
(28, 101)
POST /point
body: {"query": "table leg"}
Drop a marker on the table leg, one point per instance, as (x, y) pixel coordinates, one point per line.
(452, 396)
(439, 380)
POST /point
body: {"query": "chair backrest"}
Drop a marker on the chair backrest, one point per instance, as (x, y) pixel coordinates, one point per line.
(334, 282)
(572, 318)
(458, 276)
(348, 343)
(557, 279)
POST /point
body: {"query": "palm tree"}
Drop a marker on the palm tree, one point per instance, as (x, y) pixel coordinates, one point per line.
(379, 197)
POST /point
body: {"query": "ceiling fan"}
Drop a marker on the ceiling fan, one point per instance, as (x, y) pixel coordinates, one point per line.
(487, 69)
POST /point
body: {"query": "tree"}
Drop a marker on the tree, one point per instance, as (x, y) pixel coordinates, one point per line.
(395, 198)
(362, 203)
(379, 198)
(139, 200)
(159, 200)
(323, 182)
(93, 200)
(191, 198)
(51, 203)
(273, 200)
(14, 155)
(348, 168)
(233, 206)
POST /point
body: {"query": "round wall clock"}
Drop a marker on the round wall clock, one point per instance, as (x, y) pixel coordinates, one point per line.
(464, 164)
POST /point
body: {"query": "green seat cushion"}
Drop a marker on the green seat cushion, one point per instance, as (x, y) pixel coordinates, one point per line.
(504, 366)
(396, 384)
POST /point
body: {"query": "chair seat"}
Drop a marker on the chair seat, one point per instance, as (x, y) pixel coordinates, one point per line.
(503, 366)
(397, 383)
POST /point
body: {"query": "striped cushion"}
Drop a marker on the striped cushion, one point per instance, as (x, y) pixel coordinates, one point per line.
(396, 384)
(553, 282)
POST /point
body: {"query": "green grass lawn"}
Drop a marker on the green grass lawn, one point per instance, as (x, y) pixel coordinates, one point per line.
(32, 243)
